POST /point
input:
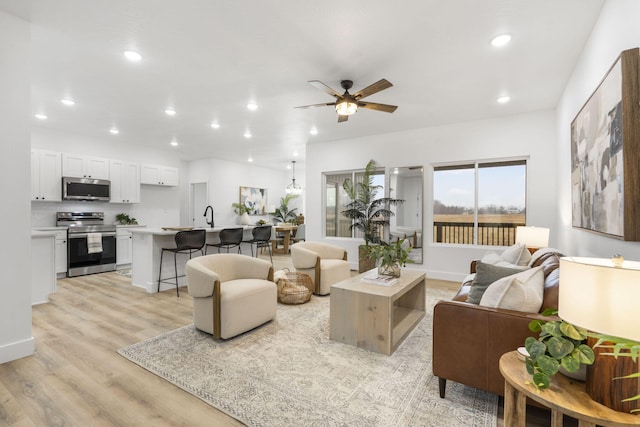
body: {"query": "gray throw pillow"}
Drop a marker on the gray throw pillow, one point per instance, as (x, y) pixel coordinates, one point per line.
(486, 274)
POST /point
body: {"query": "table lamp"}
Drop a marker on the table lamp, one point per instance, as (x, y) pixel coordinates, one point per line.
(602, 296)
(533, 238)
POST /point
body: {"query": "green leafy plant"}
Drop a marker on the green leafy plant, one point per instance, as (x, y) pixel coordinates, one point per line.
(559, 344)
(283, 213)
(390, 254)
(124, 219)
(240, 208)
(366, 212)
(620, 347)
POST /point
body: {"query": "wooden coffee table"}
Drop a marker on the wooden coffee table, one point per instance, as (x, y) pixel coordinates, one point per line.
(375, 317)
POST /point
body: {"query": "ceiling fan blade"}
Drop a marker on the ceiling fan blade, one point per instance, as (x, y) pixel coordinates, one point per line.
(323, 87)
(378, 107)
(317, 105)
(381, 84)
(342, 118)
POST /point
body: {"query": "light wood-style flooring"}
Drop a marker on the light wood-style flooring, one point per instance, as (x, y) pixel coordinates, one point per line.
(76, 378)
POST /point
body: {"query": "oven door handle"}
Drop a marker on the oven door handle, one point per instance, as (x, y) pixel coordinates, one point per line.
(84, 235)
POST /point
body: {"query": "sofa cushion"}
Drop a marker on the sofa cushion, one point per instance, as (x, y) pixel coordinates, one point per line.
(520, 292)
(486, 274)
(517, 254)
(495, 259)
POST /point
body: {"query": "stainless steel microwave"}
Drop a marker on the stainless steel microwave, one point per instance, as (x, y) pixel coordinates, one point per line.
(97, 190)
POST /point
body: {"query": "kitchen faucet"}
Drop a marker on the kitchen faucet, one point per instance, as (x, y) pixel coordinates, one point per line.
(205, 214)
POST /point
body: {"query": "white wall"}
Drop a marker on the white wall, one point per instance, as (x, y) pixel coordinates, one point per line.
(531, 135)
(15, 285)
(224, 179)
(616, 29)
(159, 206)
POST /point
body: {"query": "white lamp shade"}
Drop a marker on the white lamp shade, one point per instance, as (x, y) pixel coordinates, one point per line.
(600, 297)
(533, 237)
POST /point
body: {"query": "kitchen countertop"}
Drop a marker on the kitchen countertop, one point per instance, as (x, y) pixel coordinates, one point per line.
(160, 232)
(50, 228)
(43, 233)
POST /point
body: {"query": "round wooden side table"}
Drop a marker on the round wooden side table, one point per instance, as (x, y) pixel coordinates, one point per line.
(564, 396)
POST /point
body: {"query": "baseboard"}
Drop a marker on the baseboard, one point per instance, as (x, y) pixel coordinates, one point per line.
(445, 275)
(17, 350)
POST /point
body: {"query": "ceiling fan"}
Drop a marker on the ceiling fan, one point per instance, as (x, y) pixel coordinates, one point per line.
(347, 104)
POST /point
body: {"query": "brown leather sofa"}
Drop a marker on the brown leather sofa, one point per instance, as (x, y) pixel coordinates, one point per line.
(468, 339)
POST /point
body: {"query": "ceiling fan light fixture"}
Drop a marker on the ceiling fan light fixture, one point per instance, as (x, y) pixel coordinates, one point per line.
(293, 188)
(346, 108)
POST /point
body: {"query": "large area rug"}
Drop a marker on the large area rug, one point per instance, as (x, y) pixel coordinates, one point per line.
(289, 373)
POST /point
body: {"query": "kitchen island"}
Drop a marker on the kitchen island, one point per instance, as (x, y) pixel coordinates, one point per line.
(146, 250)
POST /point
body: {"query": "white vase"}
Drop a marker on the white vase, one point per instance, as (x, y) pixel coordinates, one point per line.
(244, 219)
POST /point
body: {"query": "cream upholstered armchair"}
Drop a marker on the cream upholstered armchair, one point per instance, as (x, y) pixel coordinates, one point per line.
(326, 264)
(231, 293)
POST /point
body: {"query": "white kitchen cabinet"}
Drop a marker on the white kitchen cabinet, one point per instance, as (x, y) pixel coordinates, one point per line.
(61, 252)
(158, 175)
(125, 181)
(46, 176)
(43, 277)
(78, 166)
(124, 245)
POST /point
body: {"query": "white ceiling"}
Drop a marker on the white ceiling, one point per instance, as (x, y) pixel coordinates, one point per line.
(209, 58)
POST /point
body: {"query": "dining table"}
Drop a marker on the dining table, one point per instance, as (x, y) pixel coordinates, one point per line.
(287, 231)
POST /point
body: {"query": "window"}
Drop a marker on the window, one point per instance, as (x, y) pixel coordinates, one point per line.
(479, 203)
(336, 224)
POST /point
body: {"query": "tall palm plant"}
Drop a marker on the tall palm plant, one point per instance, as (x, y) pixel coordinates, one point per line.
(366, 212)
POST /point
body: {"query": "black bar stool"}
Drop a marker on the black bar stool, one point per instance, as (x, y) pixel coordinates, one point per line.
(261, 238)
(187, 242)
(229, 238)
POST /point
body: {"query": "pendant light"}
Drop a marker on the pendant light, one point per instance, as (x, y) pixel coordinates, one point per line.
(293, 188)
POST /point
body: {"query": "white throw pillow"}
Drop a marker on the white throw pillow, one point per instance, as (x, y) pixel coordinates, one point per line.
(495, 259)
(521, 292)
(517, 254)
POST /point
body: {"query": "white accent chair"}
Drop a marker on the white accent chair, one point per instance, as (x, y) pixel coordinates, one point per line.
(231, 293)
(326, 264)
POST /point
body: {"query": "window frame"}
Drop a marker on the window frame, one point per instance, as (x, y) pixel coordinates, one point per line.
(476, 166)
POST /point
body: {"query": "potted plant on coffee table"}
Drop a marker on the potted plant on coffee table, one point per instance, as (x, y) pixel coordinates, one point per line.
(390, 256)
(367, 212)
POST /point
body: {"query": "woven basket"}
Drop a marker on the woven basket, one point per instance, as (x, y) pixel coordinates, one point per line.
(295, 289)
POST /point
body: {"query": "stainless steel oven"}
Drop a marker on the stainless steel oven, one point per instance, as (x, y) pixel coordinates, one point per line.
(91, 244)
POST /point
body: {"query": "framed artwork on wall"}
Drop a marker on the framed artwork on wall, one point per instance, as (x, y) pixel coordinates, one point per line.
(255, 199)
(605, 154)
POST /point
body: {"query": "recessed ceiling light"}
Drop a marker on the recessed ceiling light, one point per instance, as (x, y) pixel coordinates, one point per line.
(40, 116)
(313, 131)
(247, 134)
(174, 143)
(67, 102)
(132, 56)
(114, 131)
(503, 99)
(250, 159)
(252, 106)
(501, 40)
(170, 112)
(215, 125)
